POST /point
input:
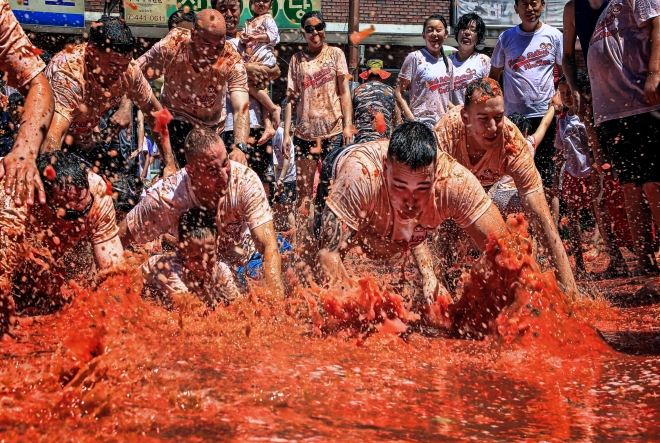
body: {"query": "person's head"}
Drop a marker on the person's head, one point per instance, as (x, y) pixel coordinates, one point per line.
(261, 7)
(208, 163)
(65, 184)
(565, 90)
(529, 11)
(435, 32)
(208, 35)
(231, 11)
(410, 168)
(470, 31)
(483, 112)
(198, 235)
(110, 48)
(313, 27)
(16, 103)
(181, 18)
(46, 56)
(522, 122)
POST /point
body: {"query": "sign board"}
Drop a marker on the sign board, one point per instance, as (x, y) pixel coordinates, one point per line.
(287, 13)
(501, 14)
(67, 13)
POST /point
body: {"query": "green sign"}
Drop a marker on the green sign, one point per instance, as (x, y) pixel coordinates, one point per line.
(287, 13)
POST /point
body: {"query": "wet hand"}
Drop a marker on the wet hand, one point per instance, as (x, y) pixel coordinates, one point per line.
(238, 156)
(651, 92)
(22, 177)
(348, 136)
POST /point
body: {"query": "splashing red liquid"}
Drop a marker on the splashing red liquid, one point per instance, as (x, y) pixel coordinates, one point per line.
(50, 172)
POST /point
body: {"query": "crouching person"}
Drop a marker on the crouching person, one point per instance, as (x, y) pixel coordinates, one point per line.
(34, 238)
(193, 267)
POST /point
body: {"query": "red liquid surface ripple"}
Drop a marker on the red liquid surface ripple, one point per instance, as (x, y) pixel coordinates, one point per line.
(328, 365)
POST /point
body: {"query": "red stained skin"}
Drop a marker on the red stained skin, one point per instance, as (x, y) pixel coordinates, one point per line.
(163, 118)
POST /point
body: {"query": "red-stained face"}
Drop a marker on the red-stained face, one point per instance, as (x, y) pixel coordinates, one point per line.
(231, 11)
(484, 120)
(198, 255)
(434, 34)
(106, 65)
(316, 38)
(410, 191)
(69, 198)
(210, 172)
(207, 45)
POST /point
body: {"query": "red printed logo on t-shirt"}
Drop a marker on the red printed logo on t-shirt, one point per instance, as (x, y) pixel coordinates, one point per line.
(440, 84)
(533, 59)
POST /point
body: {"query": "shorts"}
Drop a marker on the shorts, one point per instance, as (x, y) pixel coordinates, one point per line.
(288, 196)
(545, 151)
(323, 190)
(179, 130)
(577, 192)
(632, 143)
(258, 158)
(306, 150)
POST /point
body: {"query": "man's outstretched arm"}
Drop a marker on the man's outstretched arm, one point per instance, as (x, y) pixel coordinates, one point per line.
(266, 242)
(335, 241)
(19, 166)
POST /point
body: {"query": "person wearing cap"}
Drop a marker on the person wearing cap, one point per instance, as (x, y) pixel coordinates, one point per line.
(371, 99)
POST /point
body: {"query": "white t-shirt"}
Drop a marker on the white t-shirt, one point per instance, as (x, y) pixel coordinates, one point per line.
(242, 208)
(572, 138)
(278, 157)
(256, 119)
(430, 83)
(618, 62)
(476, 66)
(528, 59)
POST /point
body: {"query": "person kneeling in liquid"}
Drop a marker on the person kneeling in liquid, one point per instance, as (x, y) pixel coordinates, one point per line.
(388, 197)
(193, 268)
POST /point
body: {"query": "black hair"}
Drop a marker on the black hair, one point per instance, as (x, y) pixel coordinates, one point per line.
(485, 85)
(113, 33)
(413, 144)
(69, 170)
(46, 57)
(197, 223)
(516, 2)
(521, 122)
(16, 99)
(435, 16)
(465, 21)
(180, 16)
(309, 15)
(583, 81)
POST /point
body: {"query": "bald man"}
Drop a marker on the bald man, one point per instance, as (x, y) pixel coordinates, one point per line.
(200, 70)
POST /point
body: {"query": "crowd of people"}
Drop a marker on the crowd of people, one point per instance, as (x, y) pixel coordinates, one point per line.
(183, 147)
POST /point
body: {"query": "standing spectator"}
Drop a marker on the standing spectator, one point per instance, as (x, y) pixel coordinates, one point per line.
(428, 74)
(468, 63)
(528, 54)
(284, 196)
(318, 86)
(371, 99)
(624, 67)
(200, 70)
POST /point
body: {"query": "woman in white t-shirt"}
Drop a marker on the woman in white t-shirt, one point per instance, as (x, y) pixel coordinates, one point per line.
(428, 73)
(468, 63)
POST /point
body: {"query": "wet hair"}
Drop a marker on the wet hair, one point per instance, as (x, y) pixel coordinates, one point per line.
(309, 15)
(16, 100)
(516, 1)
(113, 33)
(69, 170)
(214, 3)
(582, 80)
(46, 57)
(197, 224)
(465, 21)
(180, 16)
(521, 122)
(435, 16)
(199, 141)
(413, 144)
(487, 86)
